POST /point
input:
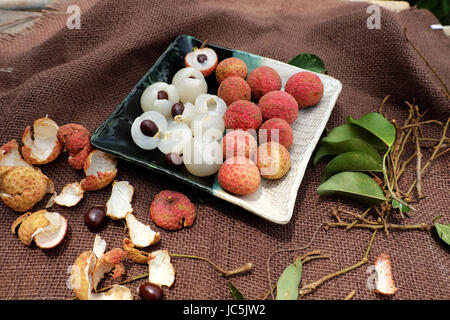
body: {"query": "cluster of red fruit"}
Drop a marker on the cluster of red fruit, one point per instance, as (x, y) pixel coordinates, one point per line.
(245, 161)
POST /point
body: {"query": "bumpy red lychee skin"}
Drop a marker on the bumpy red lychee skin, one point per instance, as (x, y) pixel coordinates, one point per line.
(239, 175)
(276, 128)
(233, 89)
(239, 143)
(76, 139)
(263, 80)
(172, 210)
(242, 114)
(306, 88)
(231, 67)
(279, 104)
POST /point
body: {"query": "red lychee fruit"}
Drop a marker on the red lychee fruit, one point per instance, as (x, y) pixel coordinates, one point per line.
(279, 104)
(234, 88)
(306, 88)
(231, 67)
(172, 210)
(274, 160)
(242, 114)
(263, 80)
(277, 130)
(204, 59)
(239, 175)
(239, 143)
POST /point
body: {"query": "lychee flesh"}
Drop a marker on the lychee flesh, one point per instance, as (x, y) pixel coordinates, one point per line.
(306, 88)
(279, 104)
(242, 114)
(277, 130)
(231, 67)
(205, 60)
(239, 175)
(239, 143)
(172, 210)
(263, 80)
(233, 89)
(274, 160)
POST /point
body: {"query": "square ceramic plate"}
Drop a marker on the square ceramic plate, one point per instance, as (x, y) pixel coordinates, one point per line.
(274, 200)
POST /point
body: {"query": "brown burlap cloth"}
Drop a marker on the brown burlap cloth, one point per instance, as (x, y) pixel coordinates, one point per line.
(82, 75)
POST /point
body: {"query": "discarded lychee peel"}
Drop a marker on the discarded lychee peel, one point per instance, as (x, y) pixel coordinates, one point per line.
(10, 155)
(81, 279)
(109, 261)
(70, 195)
(160, 270)
(51, 201)
(18, 222)
(22, 187)
(42, 146)
(53, 234)
(119, 203)
(384, 281)
(100, 169)
(47, 229)
(99, 247)
(81, 275)
(172, 210)
(77, 161)
(135, 255)
(116, 292)
(141, 235)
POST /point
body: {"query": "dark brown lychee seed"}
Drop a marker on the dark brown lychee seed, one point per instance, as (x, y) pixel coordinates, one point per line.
(174, 160)
(177, 109)
(95, 218)
(162, 95)
(150, 291)
(201, 58)
(149, 128)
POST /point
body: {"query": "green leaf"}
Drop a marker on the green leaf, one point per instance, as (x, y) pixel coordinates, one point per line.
(376, 124)
(443, 230)
(354, 185)
(308, 61)
(349, 131)
(400, 206)
(235, 293)
(287, 285)
(353, 144)
(352, 161)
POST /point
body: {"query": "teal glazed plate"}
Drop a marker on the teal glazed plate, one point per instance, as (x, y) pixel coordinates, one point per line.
(275, 199)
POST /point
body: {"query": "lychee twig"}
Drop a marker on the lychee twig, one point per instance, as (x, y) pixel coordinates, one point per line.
(312, 286)
(350, 295)
(222, 272)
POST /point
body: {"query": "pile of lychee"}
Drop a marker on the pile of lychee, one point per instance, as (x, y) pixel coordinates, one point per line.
(243, 133)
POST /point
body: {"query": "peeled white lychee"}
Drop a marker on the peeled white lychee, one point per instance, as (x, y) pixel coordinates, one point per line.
(210, 102)
(175, 138)
(203, 156)
(119, 203)
(160, 269)
(189, 112)
(204, 59)
(159, 97)
(208, 124)
(140, 234)
(70, 195)
(190, 83)
(145, 141)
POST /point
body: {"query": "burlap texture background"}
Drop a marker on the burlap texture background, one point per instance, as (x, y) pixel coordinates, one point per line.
(81, 75)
